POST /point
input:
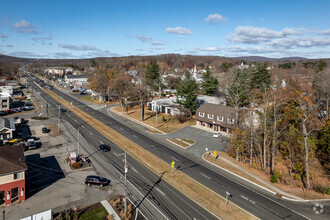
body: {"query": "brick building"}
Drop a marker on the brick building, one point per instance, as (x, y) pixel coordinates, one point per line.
(12, 174)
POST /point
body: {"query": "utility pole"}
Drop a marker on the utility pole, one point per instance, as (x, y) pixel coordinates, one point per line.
(156, 115)
(59, 117)
(227, 195)
(46, 109)
(78, 140)
(125, 194)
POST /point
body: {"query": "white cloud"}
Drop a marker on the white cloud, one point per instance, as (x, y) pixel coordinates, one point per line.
(25, 54)
(24, 26)
(158, 43)
(208, 50)
(179, 30)
(215, 18)
(324, 32)
(301, 42)
(3, 36)
(43, 40)
(143, 38)
(81, 47)
(252, 50)
(256, 35)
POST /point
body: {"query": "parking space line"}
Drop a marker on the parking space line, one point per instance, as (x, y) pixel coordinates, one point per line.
(101, 142)
(121, 129)
(91, 133)
(160, 191)
(135, 136)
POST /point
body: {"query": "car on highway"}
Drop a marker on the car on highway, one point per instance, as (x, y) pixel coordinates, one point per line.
(105, 148)
(45, 130)
(96, 180)
(216, 134)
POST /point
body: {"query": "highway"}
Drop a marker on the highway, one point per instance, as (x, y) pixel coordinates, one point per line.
(157, 199)
(260, 203)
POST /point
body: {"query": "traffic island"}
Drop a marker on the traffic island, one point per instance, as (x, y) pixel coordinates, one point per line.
(183, 143)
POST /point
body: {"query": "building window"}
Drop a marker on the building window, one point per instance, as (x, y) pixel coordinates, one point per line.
(209, 116)
(230, 120)
(201, 114)
(17, 176)
(219, 118)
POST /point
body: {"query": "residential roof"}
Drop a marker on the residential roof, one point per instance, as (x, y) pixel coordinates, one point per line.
(7, 123)
(216, 110)
(12, 160)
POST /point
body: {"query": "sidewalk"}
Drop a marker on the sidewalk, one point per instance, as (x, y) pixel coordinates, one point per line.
(110, 210)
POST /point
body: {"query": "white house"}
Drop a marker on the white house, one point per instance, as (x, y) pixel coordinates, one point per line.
(77, 80)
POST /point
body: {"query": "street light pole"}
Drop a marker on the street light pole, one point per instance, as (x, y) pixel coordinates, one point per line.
(125, 193)
(59, 117)
(3, 214)
(78, 134)
(227, 195)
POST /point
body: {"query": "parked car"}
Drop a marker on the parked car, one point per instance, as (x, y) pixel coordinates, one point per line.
(10, 111)
(13, 141)
(27, 108)
(62, 110)
(31, 144)
(2, 113)
(28, 103)
(105, 147)
(216, 134)
(96, 180)
(45, 130)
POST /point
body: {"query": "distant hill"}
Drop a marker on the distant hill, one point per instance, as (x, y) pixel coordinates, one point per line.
(265, 59)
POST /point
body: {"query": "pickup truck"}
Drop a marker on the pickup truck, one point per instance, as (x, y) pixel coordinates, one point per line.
(31, 144)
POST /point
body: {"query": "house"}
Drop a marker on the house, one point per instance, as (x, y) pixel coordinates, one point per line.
(58, 71)
(166, 106)
(7, 126)
(76, 79)
(12, 174)
(216, 117)
(5, 101)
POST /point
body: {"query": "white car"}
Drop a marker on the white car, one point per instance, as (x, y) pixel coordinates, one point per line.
(216, 134)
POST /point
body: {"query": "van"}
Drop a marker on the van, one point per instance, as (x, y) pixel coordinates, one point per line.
(31, 143)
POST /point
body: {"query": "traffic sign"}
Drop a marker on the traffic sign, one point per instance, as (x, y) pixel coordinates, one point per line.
(215, 153)
(172, 163)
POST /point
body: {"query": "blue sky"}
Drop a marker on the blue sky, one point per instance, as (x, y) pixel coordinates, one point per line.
(84, 29)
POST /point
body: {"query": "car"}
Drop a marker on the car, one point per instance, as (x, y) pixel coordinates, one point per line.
(13, 141)
(105, 147)
(96, 180)
(27, 108)
(2, 113)
(216, 134)
(28, 104)
(45, 130)
(62, 110)
(10, 111)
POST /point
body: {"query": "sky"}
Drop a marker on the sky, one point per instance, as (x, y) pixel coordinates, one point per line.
(86, 29)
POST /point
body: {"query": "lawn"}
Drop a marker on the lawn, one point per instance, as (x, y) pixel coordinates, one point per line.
(95, 214)
(96, 101)
(163, 122)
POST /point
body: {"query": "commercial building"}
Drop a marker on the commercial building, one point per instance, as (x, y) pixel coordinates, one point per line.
(12, 174)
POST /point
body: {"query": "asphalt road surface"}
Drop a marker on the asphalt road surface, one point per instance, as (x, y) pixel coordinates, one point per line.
(260, 203)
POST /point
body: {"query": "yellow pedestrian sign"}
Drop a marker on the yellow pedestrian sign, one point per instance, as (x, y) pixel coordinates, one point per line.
(71, 103)
(215, 153)
(172, 163)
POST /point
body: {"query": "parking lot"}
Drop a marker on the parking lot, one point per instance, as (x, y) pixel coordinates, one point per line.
(50, 182)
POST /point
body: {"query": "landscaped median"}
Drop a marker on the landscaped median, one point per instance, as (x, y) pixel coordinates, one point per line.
(202, 195)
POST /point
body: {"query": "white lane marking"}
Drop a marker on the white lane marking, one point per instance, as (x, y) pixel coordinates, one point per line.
(160, 191)
(205, 176)
(115, 153)
(244, 197)
(174, 158)
(134, 169)
(252, 201)
(91, 133)
(121, 129)
(75, 120)
(101, 142)
(135, 136)
(83, 126)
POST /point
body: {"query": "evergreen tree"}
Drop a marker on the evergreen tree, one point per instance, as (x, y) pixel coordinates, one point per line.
(153, 75)
(260, 77)
(188, 90)
(210, 83)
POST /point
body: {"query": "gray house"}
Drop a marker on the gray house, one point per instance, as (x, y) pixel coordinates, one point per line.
(216, 117)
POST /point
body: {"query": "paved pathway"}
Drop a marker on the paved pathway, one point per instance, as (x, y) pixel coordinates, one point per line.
(110, 210)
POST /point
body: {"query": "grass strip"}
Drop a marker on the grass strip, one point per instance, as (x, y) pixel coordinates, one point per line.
(202, 195)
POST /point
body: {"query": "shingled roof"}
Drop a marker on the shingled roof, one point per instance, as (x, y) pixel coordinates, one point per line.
(216, 110)
(12, 160)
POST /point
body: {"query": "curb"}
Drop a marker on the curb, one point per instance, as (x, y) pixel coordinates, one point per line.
(136, 121)
(284, 197)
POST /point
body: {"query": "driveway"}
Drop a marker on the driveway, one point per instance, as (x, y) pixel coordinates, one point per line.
(204, 139)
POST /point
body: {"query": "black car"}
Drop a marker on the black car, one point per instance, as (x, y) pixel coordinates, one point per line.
(96, 180)
(45, 130)
(105, 147)
(62, 110)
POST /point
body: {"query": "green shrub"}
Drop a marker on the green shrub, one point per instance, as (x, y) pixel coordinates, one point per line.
(39, 118)
(321, 189)
(278, 174)
(273, 179)
(163, 118)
